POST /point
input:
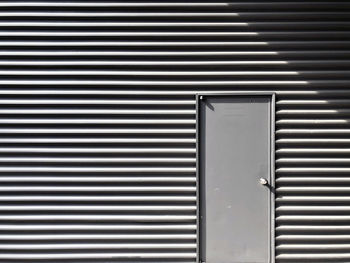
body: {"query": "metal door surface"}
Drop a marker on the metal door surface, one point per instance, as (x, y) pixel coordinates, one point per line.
(235, 176)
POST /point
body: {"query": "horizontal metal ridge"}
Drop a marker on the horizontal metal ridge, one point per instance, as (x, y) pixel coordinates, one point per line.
(170, 73)
(311, 218)
(95, 131)
(116, 62)
(304, 179)
(308, 112)
(253, 4)
(83, 198)
(161, 63)
(96, 111)
(148, 63)
(318, 170)
(151, 33)
(96, 150)
(313, 160)
(172, 24)
(164, 83)
(308, 198)
(314, 102)
(311, 189)
(316, 208)
(89, 226)
(312, 247)
(97, 160)
(97, 169)
(313, 150)
(111, 4)
(313, 141)
(96, 121)
(315, 256)
(313, 131)
(173, 14)
(97, 236)
(95, 246)
(313, 121)
(129, 14)
(80, 217)
(94, 140)
(174, 43)
(297, 237)
(168, 53)
(98, 101)
(104, 255)
(114, 189)
(109, 179)
(177, 34)
(314, 228)
(312, 92)
(95, 208)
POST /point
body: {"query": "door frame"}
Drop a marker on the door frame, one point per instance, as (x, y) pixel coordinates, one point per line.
(199, 96)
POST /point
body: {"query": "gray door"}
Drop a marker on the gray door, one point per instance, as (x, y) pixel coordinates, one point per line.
(235, 174)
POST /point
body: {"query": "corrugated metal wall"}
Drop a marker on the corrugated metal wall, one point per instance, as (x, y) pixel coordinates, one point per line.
(97, 125)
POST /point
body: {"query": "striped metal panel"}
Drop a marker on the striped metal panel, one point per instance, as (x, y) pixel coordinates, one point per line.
(97, 125)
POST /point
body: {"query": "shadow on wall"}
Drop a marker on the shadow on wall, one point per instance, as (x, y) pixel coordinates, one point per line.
(301, 50)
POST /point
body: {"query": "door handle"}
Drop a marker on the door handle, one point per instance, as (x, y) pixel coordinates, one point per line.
(263, 181)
